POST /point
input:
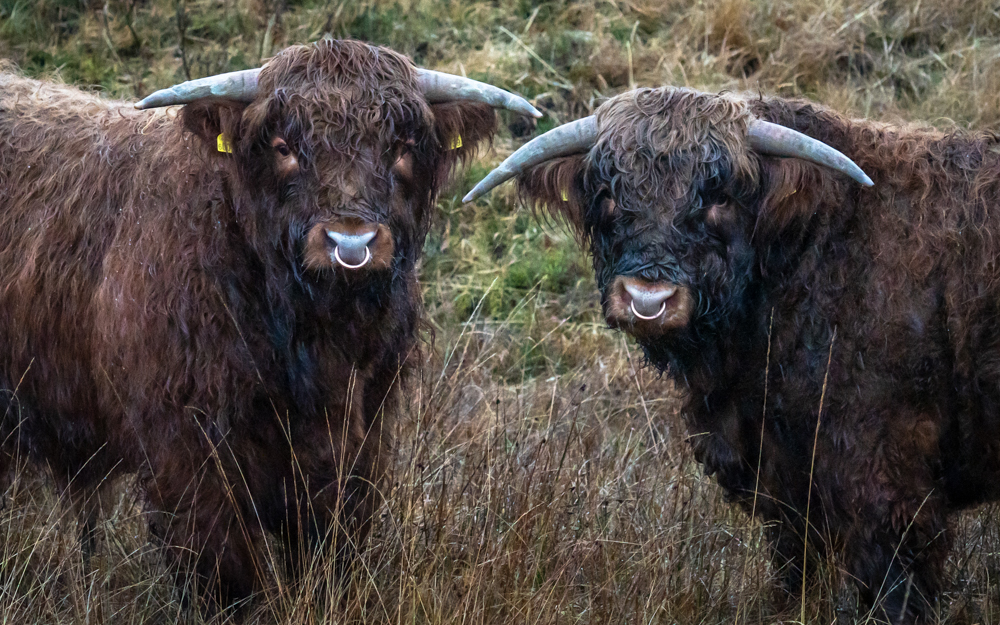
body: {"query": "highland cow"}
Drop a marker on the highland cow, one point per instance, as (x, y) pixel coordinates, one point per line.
(839, 344)
(223, 297)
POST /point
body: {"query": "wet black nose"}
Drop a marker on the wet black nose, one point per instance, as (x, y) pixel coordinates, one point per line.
(351, 248)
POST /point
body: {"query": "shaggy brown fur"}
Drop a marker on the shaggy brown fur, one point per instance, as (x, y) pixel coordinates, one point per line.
(158, 313)
(780, 256)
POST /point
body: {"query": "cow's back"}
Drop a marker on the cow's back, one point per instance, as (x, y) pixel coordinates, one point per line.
(72, 169)
(925, 312)
(903, 280)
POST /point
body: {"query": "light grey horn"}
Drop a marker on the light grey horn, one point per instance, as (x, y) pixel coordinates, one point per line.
(441, 87)
(240, 86)
(776, 140)
(571, 138)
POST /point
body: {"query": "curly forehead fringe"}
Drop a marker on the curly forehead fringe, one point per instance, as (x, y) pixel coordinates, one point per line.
(653, 142)
(333, 93)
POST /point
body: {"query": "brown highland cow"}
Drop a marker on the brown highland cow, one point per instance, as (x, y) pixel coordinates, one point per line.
(840, 344)
(225, 299)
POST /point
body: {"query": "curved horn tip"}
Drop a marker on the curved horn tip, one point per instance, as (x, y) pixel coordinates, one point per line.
(777, 140)
(571, 138)
(157, 99)
(519, 105)
(442, 87)
(855, 173)
(532, 111)
(477, 192)
(494, 179)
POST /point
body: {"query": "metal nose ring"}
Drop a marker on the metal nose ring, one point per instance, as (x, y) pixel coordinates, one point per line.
(648, 299)
(352, 244)
(347, 265)
(663, 308)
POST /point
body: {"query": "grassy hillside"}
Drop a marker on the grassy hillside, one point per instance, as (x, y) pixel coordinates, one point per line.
(543, 474)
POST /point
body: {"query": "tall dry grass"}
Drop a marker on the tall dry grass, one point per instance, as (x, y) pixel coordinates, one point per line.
(563, 499)
(542, 472)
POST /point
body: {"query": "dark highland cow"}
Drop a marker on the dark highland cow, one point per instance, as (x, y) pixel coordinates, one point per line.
(225, 299)
(840, 344)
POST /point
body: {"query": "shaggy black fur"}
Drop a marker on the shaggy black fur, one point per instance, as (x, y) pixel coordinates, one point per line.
(887, 296)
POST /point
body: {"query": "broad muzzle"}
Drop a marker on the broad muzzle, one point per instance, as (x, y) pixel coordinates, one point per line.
(647, 309)
(349, 245)
(351, 251)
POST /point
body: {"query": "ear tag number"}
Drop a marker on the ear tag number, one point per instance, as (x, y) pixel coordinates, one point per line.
(456, 143)
(223, 145)
(565, 195)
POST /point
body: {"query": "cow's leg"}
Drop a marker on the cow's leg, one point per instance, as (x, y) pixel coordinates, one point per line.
(197, 513)
(7, 466)
(786, 561)
(791, 560)
(90, 505)
(899, 570)
(12, 455)
(331, 508)
(338, 472)
(362, 494)
(85, 481)
(897, 543)
(310, 527)
(361, 499)
(331, 516)
(781, 503)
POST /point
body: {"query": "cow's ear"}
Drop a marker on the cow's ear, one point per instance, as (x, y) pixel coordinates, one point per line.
(211, 119)
(790, 191)
(461, 128)
(556, 186)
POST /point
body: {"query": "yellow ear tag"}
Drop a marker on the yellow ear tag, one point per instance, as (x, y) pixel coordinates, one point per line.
(456, 143)
(223, 145)
(565, 195)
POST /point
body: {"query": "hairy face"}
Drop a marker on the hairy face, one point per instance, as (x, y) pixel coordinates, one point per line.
(342, 157)
(663, 199)
(347, 143)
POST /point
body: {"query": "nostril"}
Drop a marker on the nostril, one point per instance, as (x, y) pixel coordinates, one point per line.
(351, 241)
(351, 250)
(649, 302)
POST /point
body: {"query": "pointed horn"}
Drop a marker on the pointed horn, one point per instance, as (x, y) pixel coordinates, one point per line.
(775, 140)
(236, 85)
(571, 138)
(441, 87)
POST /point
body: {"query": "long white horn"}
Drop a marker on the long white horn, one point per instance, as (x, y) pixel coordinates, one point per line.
(240, 86)
(776, 140)
(571, 138)
(441, 87)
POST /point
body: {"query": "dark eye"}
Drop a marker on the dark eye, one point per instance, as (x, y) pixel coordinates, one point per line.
(285, 162)
(710, 194)
(403, 165)
(404, 147)
(606, 206)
